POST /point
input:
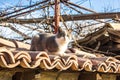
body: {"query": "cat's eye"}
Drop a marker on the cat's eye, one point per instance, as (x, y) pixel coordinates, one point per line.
(67, 35)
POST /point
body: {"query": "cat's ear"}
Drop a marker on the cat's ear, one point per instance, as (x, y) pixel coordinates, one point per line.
(70, 31)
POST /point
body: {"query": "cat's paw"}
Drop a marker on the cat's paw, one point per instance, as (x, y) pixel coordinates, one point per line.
(64, 54)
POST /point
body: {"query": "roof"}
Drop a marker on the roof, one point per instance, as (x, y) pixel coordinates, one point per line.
(77, 60)
(36, 59)
(106, 39)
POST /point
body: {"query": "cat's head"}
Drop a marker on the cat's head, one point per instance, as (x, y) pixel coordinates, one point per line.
(64, 35)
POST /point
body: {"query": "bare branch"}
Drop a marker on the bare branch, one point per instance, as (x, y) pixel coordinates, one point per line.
(15, 30)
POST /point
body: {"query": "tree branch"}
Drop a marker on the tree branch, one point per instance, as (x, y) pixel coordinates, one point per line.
(15, 30)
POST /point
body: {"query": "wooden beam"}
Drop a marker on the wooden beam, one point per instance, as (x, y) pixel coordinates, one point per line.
(68, 18)
(57, 14)
(81, 7)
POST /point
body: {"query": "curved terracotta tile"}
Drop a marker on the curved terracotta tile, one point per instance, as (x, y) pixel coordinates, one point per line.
(34, 59)
(4, 64)
(8, 55)
(85, 64)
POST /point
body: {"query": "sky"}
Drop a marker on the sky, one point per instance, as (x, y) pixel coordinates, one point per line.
(100, 5)
(97, 5)
(103, 5)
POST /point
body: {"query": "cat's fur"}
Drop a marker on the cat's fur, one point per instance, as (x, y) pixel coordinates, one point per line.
(55, 44)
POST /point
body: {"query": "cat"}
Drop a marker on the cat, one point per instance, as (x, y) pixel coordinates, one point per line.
(55, 44)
